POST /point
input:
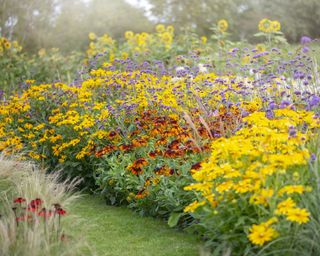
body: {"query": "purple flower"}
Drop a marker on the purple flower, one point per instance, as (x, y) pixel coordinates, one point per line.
(314, 101)
(284, 104)
(292, 132)
(244, 113)
(270, 114)
(305, 40)
(305, 49)
(272, 105)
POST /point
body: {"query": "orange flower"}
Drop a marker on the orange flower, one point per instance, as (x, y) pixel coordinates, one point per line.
(106, 150)
(125, 147)
(142, 194)
(140, 162)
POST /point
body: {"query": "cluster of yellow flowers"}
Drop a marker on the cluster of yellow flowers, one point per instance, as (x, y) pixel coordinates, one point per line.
(269, 26)
(100, 45)
(142, 42)
(257, 166)
(82, 108)
(5, 44)
(135, 43)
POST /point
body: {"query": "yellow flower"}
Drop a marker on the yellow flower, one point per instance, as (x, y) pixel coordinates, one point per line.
(223, 25)
(291, 189)
(260, 234)
(170, 29)
(92, 36)
(276, 26)
(265, 25)
(262, 197)
(15, 44)
(124, 55)
(42, 52)
(298, 215)
(128, 35)
(7, 45)
(204, 39)
(260, 47)
(193, 206)
(160, 28)
(284, 206)
(92, 46)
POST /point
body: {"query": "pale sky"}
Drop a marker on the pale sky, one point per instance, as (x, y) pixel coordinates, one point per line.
(139, 3)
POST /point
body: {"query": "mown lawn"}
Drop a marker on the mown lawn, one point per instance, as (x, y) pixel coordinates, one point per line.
(119, 231)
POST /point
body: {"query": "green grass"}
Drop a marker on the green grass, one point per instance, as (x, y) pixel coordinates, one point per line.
(119, 231)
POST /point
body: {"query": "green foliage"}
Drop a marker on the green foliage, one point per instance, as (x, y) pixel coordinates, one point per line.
(46, 66)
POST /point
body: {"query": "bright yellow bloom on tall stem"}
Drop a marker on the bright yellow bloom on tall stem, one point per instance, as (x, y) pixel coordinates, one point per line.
(92, 36)
(223, 25)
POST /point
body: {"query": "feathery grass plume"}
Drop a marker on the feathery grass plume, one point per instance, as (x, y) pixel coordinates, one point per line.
(191, 124)
(205, 124)
(45, 231)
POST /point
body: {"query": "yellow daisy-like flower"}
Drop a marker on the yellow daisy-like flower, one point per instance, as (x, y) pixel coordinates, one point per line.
(260, 234)
(170, 29)
(276, 26)
(284, 206)
(223, 25)
(7, 45)
(92, 36)
(128, 35)
(193, 206)
(166, 37)
(260, 47)
(265, 25)
(291, 189)
(298, 215)
(160, 28)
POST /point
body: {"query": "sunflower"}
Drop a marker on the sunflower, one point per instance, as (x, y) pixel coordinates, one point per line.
(128, 35)
(265, 25)
(7, 45)
(92, 36)
(223, 25)
(170, 29)
(276, 26)
(160, 28)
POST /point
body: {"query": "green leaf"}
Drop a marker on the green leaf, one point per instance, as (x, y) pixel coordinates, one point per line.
(259, 34)
(174, 218)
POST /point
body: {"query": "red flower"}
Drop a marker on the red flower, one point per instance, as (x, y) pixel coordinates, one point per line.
(60, 211)
(36, 202)
(45, 213)
(32, 208)
(196, 166)
(19, 200)
(24, 218)
(112, 134)
(34, 205)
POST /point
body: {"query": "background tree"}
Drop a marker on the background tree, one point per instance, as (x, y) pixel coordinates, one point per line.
(76, 19)
(27, 21)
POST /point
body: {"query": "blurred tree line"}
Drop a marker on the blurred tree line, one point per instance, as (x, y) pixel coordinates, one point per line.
(65, 24)
(298, 17)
